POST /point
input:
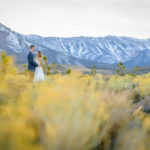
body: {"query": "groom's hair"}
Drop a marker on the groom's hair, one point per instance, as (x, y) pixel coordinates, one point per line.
(32, 46)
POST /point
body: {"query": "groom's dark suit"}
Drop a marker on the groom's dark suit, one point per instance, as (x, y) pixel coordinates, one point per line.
(31, 63)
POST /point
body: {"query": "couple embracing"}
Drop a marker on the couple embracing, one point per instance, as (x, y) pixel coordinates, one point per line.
(35, 69)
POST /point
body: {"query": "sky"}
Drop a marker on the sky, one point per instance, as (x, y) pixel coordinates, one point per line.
(68, 18)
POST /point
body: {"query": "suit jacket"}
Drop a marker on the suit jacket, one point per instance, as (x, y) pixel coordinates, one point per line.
(31, 63)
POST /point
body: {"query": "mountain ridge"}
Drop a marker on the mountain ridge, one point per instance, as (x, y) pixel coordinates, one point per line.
(103, 51)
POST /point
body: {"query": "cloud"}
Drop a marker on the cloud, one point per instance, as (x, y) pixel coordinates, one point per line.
(77, 17)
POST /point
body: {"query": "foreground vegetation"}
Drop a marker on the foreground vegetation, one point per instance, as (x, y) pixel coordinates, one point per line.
(73, 111)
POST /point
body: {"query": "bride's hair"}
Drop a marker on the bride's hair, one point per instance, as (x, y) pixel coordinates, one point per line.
(40, 53)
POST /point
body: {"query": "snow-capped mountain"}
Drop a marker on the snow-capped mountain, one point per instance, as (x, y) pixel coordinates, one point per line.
(85, 51)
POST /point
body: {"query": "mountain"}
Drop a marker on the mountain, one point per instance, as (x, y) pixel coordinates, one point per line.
(141, 58)
(85, 51)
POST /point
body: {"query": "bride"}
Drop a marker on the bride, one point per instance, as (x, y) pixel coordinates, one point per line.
(39, 74)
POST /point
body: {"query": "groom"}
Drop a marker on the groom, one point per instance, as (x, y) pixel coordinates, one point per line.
(31, 62)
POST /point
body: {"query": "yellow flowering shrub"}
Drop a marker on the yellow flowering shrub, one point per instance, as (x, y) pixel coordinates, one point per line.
(120, 83)
(72, 112)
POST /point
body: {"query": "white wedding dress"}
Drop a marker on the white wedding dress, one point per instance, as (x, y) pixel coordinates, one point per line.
(39, 73)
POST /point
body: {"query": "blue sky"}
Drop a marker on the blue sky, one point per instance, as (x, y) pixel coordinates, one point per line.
(67, 18)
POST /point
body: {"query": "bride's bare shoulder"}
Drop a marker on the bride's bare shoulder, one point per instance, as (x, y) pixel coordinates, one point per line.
(41, 59)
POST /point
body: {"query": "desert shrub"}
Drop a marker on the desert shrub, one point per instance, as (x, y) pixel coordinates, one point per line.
(121, 69)
(6, 64)
(144, 86)
(93, 71)
(136, 69)
(25, 69)
(73, 112)
(68, 71)
(120, 83)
